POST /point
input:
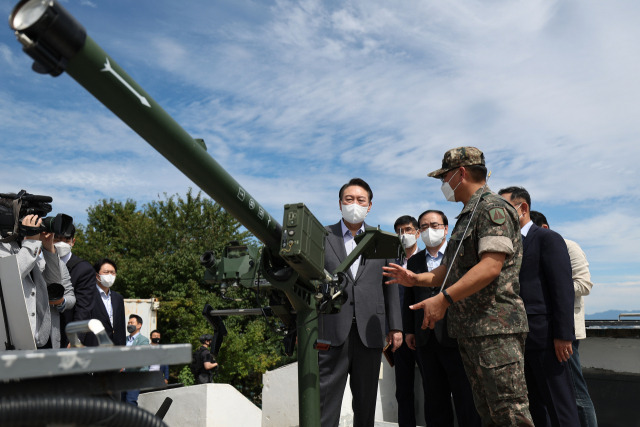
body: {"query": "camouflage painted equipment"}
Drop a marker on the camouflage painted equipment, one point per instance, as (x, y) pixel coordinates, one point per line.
(456, 157)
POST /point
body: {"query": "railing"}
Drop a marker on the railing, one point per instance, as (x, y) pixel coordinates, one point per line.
(621, 315)
(621, 328)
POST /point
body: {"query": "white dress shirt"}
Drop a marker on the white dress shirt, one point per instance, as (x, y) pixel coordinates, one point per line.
(350, 245)
(106, 300)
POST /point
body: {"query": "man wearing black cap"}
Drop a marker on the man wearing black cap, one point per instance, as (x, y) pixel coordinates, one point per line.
(83, 280)
(480, 272)
(205, 361)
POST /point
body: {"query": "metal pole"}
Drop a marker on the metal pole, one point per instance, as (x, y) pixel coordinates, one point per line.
(105, 80)
(308, 370)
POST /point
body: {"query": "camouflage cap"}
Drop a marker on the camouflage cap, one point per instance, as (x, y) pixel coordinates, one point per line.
(456, 157)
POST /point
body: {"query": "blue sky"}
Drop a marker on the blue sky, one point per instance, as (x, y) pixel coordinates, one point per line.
(295, 98)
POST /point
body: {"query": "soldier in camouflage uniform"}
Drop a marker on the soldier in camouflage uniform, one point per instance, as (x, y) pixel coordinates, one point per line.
(486, 314)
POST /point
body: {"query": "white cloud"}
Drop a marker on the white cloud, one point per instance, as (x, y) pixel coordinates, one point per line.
(618, 296)
(295, 98)
(6, 56)
(611, 236)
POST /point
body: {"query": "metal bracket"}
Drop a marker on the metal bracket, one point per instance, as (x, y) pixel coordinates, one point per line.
(83, 326)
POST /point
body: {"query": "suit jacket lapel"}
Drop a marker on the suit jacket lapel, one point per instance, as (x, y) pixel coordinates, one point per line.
(362, 266)
(336, 242)
(423, 260)
(101, 308)
(527, 241)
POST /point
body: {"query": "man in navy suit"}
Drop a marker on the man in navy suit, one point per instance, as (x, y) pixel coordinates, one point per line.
(108, 306)
(357, 332)
(438, 356)
(83, 280)
(404, 358)
(546, 287)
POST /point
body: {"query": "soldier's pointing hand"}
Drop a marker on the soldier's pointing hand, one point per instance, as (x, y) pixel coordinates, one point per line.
(434, 310)
(399, 275)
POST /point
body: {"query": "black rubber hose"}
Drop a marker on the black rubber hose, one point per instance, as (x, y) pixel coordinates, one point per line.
(73, 410)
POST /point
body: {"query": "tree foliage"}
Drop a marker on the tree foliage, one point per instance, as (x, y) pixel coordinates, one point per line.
(157, 249)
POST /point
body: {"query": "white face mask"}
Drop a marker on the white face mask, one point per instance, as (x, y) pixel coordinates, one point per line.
(449, 193)
(408, 240)
(518, 207)
(63, 249)
(354, 213)
(107, 280)
(432, 237)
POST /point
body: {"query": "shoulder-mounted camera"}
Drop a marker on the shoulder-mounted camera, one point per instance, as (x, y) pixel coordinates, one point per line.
(14, 207)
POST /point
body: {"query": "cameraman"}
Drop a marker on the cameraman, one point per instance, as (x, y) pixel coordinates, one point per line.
(34, 281)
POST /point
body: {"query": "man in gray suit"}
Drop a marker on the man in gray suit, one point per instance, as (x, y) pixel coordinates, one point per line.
(35, 281)
(357, 332)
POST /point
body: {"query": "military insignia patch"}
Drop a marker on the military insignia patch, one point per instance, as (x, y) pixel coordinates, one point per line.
(498, 215)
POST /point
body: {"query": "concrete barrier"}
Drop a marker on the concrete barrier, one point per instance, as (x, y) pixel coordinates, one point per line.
(280, 398)
(204, 405)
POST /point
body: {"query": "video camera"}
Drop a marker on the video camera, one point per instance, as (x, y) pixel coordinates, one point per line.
(14, 207)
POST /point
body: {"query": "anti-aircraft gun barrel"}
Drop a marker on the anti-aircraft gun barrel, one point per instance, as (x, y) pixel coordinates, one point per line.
(293, 257)
(57, 43)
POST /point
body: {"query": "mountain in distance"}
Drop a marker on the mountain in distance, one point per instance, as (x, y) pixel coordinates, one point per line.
(611, 315)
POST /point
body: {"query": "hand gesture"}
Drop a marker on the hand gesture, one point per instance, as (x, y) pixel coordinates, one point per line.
(434, 310)
(399, 274)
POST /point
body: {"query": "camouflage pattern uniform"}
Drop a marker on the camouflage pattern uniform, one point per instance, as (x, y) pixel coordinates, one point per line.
(490, 325)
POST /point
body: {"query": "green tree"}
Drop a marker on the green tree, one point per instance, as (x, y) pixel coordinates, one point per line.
(157, 249)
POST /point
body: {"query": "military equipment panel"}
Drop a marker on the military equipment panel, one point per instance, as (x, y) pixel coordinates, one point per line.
(303, 242)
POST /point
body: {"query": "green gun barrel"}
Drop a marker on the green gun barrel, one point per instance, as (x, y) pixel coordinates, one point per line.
(293, 258)
(57, 43)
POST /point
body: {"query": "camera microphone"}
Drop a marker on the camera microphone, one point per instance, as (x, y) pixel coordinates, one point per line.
(26, 196)
(37, 198)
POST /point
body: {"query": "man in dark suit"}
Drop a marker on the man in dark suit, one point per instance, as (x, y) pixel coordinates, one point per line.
(155, 340)
(357, 332)
(439, 359)
(404, 358)
(546, 287)
(108, 306)
(83, 281)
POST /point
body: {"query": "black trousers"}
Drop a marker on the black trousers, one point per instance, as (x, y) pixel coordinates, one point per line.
(443, 376)
(552, 399)
(404, 360)
(363, 364)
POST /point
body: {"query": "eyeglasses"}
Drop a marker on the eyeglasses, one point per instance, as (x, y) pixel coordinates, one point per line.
(433, 225)
(444, 175)
(407, 230)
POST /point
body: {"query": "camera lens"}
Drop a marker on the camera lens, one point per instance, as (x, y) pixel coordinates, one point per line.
(56, 291)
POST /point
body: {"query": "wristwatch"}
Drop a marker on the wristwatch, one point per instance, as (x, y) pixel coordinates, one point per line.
(447, 296)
